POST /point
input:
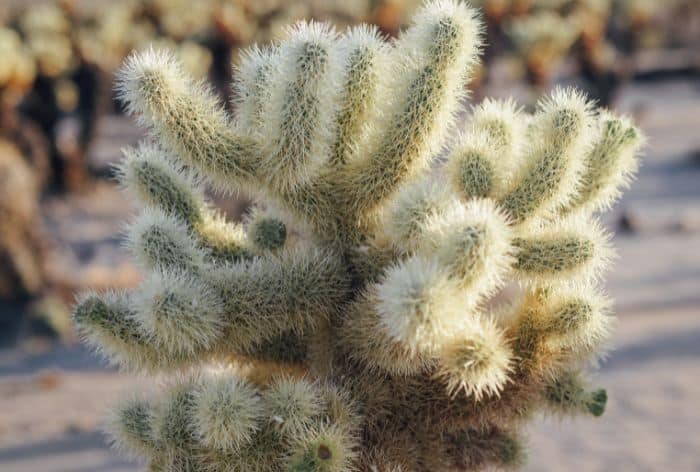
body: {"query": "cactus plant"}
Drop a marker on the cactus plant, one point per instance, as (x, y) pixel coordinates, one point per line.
(370, 314)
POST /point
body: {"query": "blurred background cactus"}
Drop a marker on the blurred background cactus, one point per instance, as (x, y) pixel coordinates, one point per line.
(381, 337)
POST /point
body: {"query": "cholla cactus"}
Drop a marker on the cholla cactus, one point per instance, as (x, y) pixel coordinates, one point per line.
(358, 320)
(543, 39)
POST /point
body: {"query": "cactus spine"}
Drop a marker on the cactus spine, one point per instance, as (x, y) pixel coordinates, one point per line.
(352, 322)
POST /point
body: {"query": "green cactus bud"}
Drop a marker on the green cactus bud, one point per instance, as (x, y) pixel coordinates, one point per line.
(569, 394)
(323, 449)
(266, 231)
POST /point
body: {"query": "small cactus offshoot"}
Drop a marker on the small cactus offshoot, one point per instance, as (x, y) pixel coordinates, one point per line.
(357, 319)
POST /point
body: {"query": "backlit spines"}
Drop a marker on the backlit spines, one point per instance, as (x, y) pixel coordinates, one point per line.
(569, 251)
(252, 86)
(373, 311)
(416, 304)
(179, 312)
(227, 413)
(484, 160)
(160, 242)
(185, 116)
(432, 61)
(147, 173)
(609, 165)
(130, 425)
(553, 160)
(297, 130)
(477, 360)
(363, 89)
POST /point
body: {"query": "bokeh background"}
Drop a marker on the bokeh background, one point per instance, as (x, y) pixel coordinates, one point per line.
(61, 214)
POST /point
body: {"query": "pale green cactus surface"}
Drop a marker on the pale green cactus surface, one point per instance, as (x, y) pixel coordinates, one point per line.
(377, 311)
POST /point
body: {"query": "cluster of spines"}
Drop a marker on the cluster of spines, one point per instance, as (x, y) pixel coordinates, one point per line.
(391, 296)
(216, 421)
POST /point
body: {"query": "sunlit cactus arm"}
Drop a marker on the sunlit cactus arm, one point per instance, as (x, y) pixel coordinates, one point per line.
(180, 313)
(609, 165)
(297, 120)
(569, 251)
(252, 87)
(432, 61)
(292, 291)
(186, 118)
(559, 326)
(365, 69)
(159, 241)
(157, 182)
(471, 241)
(553, 160)
(482, 162)
(477, 361)
(108, 322)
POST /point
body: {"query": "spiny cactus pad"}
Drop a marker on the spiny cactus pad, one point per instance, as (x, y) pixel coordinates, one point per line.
(371, 314)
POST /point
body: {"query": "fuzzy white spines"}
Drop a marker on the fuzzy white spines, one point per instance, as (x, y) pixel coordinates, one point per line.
(411, 215)
(292, 406)
(384, 290)
(417, 305)
(473, 242)
(609, 165)
(432, 62)
(227, 412)
(151, 177)
(252, 86)
(578, 320)
(185, 116)
(161, 242)
(365, 58)
(569, 251)
(477, 361)
(181, 313)
(297, 130)
(554, 159)
(130, 426)
(483, 161)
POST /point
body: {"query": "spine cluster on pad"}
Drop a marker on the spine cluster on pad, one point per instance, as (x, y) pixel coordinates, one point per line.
(376, 311)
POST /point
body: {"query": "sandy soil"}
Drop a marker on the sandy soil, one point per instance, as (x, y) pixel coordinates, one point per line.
(52, 398)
